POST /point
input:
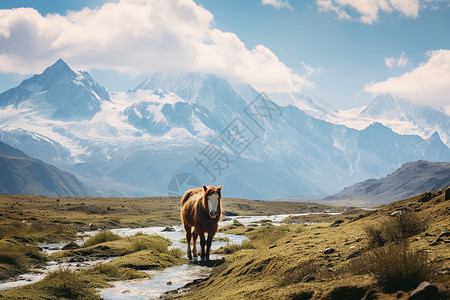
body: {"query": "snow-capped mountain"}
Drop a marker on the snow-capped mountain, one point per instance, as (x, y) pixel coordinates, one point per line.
(315, 107)
(58, 92)
(223, 133)
(400, 115)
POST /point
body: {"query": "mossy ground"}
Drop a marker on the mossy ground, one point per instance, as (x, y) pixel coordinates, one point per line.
(27, 220)
(274, 262)
(135, 253)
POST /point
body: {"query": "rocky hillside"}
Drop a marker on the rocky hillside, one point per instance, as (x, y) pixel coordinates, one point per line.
(21, 174)
(410, 179)
(330, 260)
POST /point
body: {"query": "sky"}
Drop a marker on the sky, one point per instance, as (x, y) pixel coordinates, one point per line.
(343, 51)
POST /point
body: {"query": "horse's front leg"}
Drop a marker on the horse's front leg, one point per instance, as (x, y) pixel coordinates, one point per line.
(194, 242)
(208, 244)
(188, 240)
(202, 245)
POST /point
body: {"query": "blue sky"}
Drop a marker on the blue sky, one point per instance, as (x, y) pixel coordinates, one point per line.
(333, 49)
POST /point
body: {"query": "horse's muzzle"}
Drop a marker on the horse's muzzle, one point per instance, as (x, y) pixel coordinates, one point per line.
(213, 214)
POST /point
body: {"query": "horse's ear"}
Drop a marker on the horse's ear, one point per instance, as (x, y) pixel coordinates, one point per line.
(220, 187)
(205, 188)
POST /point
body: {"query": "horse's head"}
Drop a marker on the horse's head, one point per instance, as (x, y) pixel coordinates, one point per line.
(212, 198)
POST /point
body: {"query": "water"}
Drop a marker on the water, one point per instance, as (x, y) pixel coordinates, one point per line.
(39, 273)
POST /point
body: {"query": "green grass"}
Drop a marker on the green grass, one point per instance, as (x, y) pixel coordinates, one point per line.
(101, 237)
(137, 253)
(37, 232)
(17, 257)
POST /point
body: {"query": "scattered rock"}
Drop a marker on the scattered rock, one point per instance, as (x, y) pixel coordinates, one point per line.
(443, 271)
(78, 259)
(443, 237)
(70, 246)
(447, 194)
(169, 282)
(351, 255)
(346, 292)
(425, 290)
(369, 295)
(308, 278)
(92, 227)
(337, 222)
(425, 197)
(168, 229)
(329, 250)
(397, 212)
(444, 234)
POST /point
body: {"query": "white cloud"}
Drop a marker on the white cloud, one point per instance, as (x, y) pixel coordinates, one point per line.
(428, 84)
(327, 5)
(401, 61)
(278, 3)
(311, 70)
(369, 9)
(138, 36)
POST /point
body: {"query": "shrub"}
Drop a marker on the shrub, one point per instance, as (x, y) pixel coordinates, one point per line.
(15, 259)
(111, 272)
(64, 283)
(101, 237)
(140, 245)
(394, 229)
(395, 267)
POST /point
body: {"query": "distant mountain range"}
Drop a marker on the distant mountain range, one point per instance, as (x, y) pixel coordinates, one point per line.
(411, 179)
(21, 174)
(398, 114)
(133, 144)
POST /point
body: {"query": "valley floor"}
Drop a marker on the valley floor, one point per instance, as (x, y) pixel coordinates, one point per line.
(314, 256)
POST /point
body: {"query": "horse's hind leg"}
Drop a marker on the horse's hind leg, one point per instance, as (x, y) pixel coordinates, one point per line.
(194, 242)
(202, 246)
(188, 239)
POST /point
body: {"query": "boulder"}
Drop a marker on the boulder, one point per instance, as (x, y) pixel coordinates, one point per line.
(329, 250)
(70, 246)
(425, 290)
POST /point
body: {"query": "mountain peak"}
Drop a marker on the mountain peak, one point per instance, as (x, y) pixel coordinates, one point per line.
(59, 68)
(72, 95)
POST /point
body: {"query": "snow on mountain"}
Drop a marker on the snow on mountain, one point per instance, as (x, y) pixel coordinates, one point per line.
(59, 92)
(315, 107)
(135, 142)
(402, 116)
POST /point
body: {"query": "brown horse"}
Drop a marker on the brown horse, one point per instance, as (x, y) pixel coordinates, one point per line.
(200, 213)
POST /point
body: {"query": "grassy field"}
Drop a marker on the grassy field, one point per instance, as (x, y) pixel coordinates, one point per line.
(27, 220)
(383, 250)
(285, 262)
(128, 212)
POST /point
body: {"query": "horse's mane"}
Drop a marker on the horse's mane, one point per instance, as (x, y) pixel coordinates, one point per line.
(189, 194)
